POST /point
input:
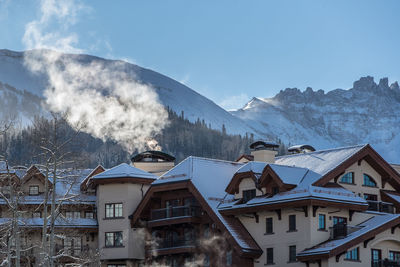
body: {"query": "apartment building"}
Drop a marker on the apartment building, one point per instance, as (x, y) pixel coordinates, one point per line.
(335, 207)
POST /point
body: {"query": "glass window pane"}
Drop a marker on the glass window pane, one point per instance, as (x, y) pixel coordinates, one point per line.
(109, 210)
(118, 239)
(109, 239)
(118, 210)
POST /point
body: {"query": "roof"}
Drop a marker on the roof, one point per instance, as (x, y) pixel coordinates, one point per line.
(154, 154)
(210, 177)
(124, 171)
(322, 161)
(333, 246)
(331, 194)
(60, 222)
(300, 148)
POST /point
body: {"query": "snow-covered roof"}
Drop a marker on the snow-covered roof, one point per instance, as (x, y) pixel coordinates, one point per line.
(288, 174)
(320, 162)
(332, 194)
(364, 227)
(124, 170)
(210, 177)
(60, 222)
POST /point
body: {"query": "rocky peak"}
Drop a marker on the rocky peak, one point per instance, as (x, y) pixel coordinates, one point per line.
(384, 83)
(395, 86)
(364, 83)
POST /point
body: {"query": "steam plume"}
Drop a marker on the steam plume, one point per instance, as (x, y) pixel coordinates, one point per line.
(97, 96)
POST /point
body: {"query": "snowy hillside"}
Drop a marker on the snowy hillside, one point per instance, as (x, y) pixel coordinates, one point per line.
(171, 93)
(366, 113)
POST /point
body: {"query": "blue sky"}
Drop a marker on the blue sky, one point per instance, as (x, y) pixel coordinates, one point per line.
(232, 50)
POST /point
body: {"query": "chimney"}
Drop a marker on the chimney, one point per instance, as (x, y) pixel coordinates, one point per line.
(155, 162)
(297, 149)
(264, 151)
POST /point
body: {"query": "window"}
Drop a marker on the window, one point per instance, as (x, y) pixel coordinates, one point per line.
(73, 245)
(292, 223)
(114, 239)
(206, 262)
(229, 258)
(321, 222)
(371, 197)
(275, 190)
(376, 257)
(368, 181)
(114, 210)
(248, 194)
(268, 226)
(394, 256)
(292, 253)
(73, 214)
(206, 231)
(270, 255)
(339, 220)
(33, 190)
(89, 215)
(353, 255)
(348, 178)
(37, 214)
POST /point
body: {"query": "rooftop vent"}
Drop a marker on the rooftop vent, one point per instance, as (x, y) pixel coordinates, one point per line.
(300, 149)
(264, 151)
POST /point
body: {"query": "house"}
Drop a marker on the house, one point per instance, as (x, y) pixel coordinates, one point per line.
(334, 207)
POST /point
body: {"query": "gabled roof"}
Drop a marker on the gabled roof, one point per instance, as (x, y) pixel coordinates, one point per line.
(322, 161)
(307, 195)
(207, 179)
(332, 163)
(259, 171)
(368, 229)
(126, 172)
(86, 181)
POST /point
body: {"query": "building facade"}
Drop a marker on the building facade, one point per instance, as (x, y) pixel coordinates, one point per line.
(335, 207)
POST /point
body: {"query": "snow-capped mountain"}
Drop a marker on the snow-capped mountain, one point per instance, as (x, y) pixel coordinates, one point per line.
(366, 113)
(173, 94)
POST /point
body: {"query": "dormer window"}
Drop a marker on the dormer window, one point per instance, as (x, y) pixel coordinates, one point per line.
(348, 178)
(368, 181)
(33, 190)
(275, 190)
(248, 194)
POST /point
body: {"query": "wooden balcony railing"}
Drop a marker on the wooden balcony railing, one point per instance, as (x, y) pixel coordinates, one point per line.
(380, 206)
(72, 251)
(174, 212)
(385, 263)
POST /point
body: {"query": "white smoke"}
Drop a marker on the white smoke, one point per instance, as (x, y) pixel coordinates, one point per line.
(97, 96)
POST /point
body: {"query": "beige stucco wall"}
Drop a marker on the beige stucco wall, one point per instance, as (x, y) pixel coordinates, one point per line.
(358, 187)
(129, 195)
(247, 184)
(33, 181)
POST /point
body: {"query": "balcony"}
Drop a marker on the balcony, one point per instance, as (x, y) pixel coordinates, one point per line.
(175, 215)
(380, 206)
(176, 246)
(341, 230)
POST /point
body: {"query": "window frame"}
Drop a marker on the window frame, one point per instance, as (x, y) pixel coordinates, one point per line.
(269, 256)
(113, 209)
(271, 220)
(248, 198)
(34, 186)
(371, 181)
(292, 223)
(114, 239)
(346, 181)
(37, 212)
(349, 256)
(291, 259)
(320, 215)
